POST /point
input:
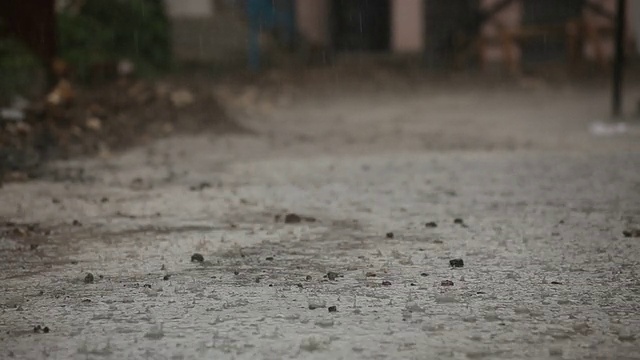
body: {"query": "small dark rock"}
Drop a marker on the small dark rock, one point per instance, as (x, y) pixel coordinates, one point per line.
(431, 224)
(86, 300)
(481, 293)
(197, 258)
(88, 279)
(200, 187)
(148, 286)
(332, 275)
(413, 284)
(37, 328)
(257, 280)
(269, 258)
(424, 274)
(458, 221)
(456, 263)
(631, 233)
(556, 283)
(236, 272)
(76, 223)
(300, 286)
(45, 330)
(386, 283)
(333, 309)
(446, 283)
(371, 274)
(162, 267)
(389, 235)
(292, 219)
(309, 278)
(166, 277)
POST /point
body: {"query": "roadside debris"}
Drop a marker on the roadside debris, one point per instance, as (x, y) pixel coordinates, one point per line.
(631, 233)
(456, 263)
(39, 329)
(197, 258)
(88, 279)
(332, 275)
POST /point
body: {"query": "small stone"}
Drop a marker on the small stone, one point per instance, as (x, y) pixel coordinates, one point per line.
(431, 224)
(308, 277)
(37, 328)
(456, 263)
(458, 221)
(371, 274)
(389, 235)
(300, 286)
(197, 258)
(76, 223)
(88, 279)
(238, 272)
(333, 309)
(424, 274)
(292, 219)
(269, 258)
(386, 283)
(332, 275)
(631, 233)
(556, 283)
(166, 277)
(446, 283)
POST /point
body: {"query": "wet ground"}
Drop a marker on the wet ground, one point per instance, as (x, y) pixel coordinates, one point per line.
(388, 188)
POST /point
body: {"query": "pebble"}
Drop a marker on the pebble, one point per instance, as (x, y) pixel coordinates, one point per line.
(332, 275)
(386, 283)
(333, 309)
(292, 219)
(88, 279)
(389, 235)
(197, 257)
(456, 263)
(166, 277)
(431, 224)
(446, 283)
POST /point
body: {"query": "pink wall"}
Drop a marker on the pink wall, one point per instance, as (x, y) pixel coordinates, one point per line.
(407, 26)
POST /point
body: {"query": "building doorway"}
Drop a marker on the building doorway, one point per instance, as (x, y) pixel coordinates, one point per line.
(361, 25)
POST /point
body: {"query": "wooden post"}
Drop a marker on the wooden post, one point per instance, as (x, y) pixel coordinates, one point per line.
(618, 63)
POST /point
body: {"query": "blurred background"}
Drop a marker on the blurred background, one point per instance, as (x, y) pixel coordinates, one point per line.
(89, 76)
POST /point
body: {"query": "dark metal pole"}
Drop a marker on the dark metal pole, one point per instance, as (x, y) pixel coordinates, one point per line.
(618, 62)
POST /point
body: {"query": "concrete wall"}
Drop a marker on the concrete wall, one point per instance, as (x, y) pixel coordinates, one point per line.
(189, 8)
(407, 26)
(312, 18)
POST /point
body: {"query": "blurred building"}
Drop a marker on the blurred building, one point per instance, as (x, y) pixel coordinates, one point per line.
(458, 32)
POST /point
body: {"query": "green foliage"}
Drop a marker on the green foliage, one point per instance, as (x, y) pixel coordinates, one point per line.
(110, 30)
(18, 68)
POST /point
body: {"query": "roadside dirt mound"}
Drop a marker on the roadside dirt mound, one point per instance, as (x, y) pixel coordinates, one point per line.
(72, 121)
